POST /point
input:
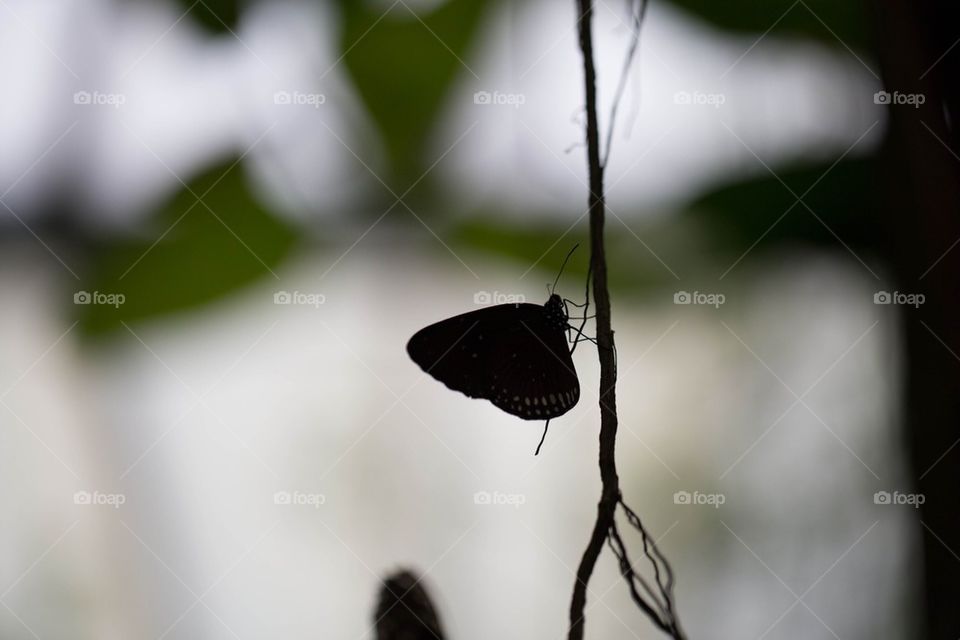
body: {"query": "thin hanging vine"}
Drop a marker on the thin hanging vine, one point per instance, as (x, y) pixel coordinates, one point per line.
(656, 600)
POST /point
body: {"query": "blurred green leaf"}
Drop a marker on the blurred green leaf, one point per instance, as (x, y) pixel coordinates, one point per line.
(651, 254)
(834, 22)
(217, 16)
(202, 254)
(541, 250)
(738, 214)
(403, 65)
(524, 245)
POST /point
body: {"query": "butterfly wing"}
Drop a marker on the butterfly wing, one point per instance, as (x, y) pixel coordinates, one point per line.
(508, 354)
(452, 350)
(460, 351)
(534, 377)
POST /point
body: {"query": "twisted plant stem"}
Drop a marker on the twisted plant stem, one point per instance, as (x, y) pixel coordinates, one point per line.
(657, 604)
(610, 494)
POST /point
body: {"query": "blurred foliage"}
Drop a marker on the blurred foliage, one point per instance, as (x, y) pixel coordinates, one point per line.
(217, 16)
(713, 231)
(403, 65)
(527, 246)
(542, 248)
(848, 20)
(736, 214)
(199, 255)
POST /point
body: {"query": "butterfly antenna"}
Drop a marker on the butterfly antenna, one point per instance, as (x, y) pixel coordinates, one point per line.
(570, 253)
(542, 438)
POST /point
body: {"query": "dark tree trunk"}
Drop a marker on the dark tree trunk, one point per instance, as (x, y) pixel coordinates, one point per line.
(923, 223)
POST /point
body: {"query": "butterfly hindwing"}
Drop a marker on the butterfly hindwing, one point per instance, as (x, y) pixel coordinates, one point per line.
(514, 355)
(534, 374)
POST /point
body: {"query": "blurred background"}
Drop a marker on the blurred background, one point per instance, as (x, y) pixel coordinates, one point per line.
(221, 221)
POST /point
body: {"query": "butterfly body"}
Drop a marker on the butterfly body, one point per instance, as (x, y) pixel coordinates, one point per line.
(514, 355)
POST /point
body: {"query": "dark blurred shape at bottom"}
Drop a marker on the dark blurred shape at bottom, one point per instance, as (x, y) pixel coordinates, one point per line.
(405, 611)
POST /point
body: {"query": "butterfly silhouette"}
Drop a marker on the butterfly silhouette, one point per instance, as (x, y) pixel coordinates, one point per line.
(514, 355)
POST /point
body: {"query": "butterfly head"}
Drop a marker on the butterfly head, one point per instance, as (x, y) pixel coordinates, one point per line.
(556, 312)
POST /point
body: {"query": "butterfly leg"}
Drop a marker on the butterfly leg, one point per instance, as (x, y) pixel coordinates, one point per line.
(570, 327)
(586, 307)
(542, 438)
(566, 310)
(580, 335)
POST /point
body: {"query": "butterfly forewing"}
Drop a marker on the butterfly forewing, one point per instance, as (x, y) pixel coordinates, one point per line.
(514, 355)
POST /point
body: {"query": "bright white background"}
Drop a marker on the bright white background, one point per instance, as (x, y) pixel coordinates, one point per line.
(199, 420)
